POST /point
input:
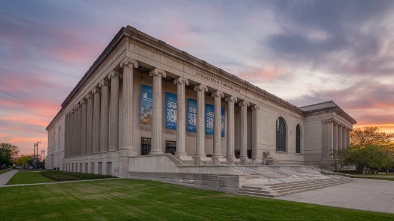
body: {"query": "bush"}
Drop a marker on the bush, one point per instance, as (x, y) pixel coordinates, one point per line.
(69, 176)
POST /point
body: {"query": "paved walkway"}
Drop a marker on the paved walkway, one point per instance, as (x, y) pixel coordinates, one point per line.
(362, 194)
(5, 177)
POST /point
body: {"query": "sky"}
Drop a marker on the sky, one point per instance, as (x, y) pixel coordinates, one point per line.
(305, 52)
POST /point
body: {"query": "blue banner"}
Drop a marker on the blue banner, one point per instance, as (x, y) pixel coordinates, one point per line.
(191, 115)
(222, 117)
(170, 111)
(146, 104)
(209, 116)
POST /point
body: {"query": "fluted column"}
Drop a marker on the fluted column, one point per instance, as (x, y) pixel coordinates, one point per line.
(217, 126)
(255, 133)
(66, 124)
(335, 137)
(340, 137)
(79, 128)
(347, 138)
(83, 127)
(75, 132)
(180, 117)
(104, 118)
(343, 138)
(244, 130)
(157, 111)
(200, 147)
(89, 123)
(128, 66)
(96, 119)
(114, 112)
(230, 128)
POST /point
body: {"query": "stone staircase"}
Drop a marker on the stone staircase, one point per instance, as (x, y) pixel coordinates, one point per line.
(284, 188)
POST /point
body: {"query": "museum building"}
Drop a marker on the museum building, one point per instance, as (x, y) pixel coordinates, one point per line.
(147, 107)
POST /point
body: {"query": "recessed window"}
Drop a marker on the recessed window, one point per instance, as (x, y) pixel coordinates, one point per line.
(298, 139)
(145, 145)
(170, 147)
(280, 134)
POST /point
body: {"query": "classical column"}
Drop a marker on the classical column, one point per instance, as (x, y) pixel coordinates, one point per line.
(328, 132)
(157, 111)
(128, 66)
(200, 136)
(104, 118)
(66, 124)
(83, 128)
(78, 130)
(343, 137)
(335, 146)
(75, 123)
(89, 123)
(181, 117)
(230, 128)
(255, 133)
(340, 137)
(114, 112)
(217, 126)
(347, 138)
(96, 120)
(244, 130)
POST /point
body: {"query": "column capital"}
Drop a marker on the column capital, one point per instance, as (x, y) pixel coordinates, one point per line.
(128, 62)
(88, 96)
(103, 83)
(156, 72)
(201, 87)
(243, 103)
(112, 74)
(96, 90)
(255, 107)
(231, 99)
(181, 80)
(217, 94)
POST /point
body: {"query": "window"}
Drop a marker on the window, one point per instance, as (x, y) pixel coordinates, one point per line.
(170, 147)
(298, 139)
(145, 145)
(280, 134)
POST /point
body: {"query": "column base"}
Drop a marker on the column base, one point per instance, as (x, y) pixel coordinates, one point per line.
(217, 159)
(257, 160)
(128, 153)
(198, 160)
(155, 152)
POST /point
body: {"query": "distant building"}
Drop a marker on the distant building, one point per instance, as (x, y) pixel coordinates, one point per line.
(147, 107)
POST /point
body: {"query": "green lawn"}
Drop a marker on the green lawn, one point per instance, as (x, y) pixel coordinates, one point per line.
(120, 199)
(28, 176)
(4, 171)
(376, 177)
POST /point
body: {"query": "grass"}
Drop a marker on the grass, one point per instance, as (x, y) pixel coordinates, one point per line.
(121, 199)
(66, 176)
(4, 171)
(45, 176)
(28, 177)
(375, 177)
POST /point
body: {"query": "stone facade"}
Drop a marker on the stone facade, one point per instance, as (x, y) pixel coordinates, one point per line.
(99, 127)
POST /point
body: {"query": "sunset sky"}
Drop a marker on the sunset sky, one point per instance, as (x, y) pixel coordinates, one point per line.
(302, 51)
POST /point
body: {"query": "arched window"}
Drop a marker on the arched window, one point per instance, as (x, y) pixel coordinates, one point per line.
(298, 139)
(280, 134)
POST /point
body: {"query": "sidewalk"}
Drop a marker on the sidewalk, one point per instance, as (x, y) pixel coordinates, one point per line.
(362, 194)
(5, 177)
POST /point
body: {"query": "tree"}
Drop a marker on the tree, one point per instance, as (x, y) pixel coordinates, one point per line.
(369, 136)
(8, 153)
(372, 156)
(23, 160)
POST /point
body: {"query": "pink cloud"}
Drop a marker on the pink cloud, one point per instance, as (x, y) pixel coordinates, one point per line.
(262, 74)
